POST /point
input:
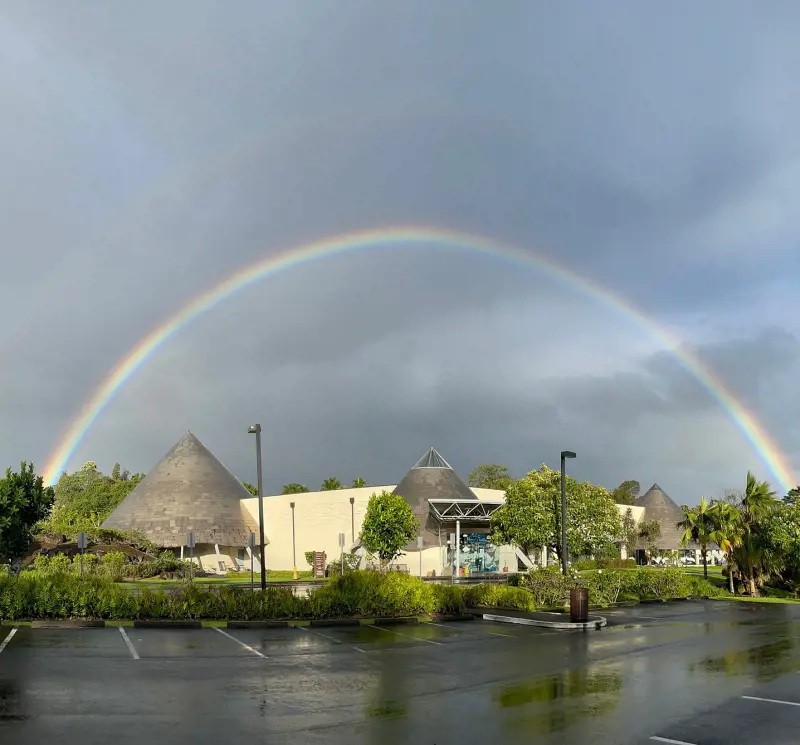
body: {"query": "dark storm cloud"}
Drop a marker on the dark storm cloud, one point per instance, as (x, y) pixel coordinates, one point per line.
(152, 149)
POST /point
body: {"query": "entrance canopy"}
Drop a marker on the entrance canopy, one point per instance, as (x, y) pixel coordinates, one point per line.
(469, 510)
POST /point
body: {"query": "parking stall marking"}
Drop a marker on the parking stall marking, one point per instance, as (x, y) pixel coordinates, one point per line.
(407, 636)
(771, 700)
(240, 643)
(129, 643)
(330, 638)
(671, 742)
(8, 639)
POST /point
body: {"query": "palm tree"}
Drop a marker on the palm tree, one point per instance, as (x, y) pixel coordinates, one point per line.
(331, 484)
(729, 529)
(359, 483)
(698, 527)
(758, 500)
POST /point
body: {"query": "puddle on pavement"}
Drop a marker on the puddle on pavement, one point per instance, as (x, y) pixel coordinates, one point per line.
(763, 663)
(570, 696)
(10, 703)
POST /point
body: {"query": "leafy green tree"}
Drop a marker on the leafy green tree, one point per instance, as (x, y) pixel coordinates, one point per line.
(490, 476)
(252, 488)
(24, 501)
(698, 526)
(85, 498)
(531, 515)
(630, 532)
(294, 489)
(389, 525)
(792, 496)
(650, 532)
(331, 484)
(359, 483)
(627, 492)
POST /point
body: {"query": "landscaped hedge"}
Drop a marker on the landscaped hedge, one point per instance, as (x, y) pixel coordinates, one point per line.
(360, 593)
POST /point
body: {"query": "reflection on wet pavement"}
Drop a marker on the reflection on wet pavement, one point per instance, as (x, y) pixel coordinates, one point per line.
(654, 670)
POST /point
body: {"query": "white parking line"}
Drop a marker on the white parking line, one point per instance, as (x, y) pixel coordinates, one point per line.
(240, 643)
(407, 636)
(329, 638)
(772, 701)
(132, 649)
(497, 633)
(8, 639)
(672, 742)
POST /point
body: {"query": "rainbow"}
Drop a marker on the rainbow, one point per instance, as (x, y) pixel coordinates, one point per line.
(760, 440)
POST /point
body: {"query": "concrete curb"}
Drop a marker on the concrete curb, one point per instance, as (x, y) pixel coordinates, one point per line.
(594, 623)
(258, 624)
(463, 617)
(167, 624)
(395, 621)
(335, 622)
(70, 623)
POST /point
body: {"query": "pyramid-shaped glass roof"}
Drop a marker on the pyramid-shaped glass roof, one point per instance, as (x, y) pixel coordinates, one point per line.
(432, 459)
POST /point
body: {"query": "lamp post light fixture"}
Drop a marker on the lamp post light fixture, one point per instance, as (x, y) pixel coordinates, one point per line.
(564, 455)
(294, 555)
(255, 429)
(352, 520)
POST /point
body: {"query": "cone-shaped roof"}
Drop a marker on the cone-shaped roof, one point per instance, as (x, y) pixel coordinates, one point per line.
(188, 490)
(431, 478)
(658, 506)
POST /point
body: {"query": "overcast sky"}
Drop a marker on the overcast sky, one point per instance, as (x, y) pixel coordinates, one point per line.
(149, 149)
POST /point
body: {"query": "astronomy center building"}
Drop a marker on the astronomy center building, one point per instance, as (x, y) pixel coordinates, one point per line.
(191, 490)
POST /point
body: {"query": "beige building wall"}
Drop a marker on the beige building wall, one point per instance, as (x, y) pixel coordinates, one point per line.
(320, 516)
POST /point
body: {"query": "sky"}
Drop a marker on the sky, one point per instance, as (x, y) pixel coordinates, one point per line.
(151, 149)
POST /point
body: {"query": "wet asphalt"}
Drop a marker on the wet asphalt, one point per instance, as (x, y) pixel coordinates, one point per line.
(703, 673)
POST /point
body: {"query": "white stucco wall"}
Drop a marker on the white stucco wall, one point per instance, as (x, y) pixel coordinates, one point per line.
(321, 516)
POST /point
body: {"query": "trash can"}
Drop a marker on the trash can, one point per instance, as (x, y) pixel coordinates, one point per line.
(579, 605)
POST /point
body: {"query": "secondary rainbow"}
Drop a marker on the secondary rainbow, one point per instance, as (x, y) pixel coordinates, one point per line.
(420, 238)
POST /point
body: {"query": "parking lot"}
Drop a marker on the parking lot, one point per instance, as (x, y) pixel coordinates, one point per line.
(686, 672)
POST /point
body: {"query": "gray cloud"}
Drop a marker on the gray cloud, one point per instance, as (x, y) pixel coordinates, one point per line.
(151, 150)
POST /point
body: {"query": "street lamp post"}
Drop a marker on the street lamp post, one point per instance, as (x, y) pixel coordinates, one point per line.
(564, 455)
(255, 429)
(352, 520)
(294, 555)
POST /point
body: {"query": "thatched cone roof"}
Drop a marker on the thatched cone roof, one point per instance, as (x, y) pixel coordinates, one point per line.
(188, 490)
(431, 478)
(658, 506)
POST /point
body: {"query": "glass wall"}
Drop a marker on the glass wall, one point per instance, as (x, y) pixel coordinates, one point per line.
(477, 554)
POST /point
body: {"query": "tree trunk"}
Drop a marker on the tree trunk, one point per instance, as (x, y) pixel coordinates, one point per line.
(751, 581)
(730, 576)
(704, 554)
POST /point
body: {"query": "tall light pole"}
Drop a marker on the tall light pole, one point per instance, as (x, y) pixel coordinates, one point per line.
(564, 455)
(255, 429)
(294, 555)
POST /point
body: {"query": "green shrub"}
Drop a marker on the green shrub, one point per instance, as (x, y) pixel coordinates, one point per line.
(447, 599)
(351, 562)
(699, 588)
(548, 586)
(309, 558)
(651, 582)
(114, 565)
(165, 562)
(604, 586)
(499, 596)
